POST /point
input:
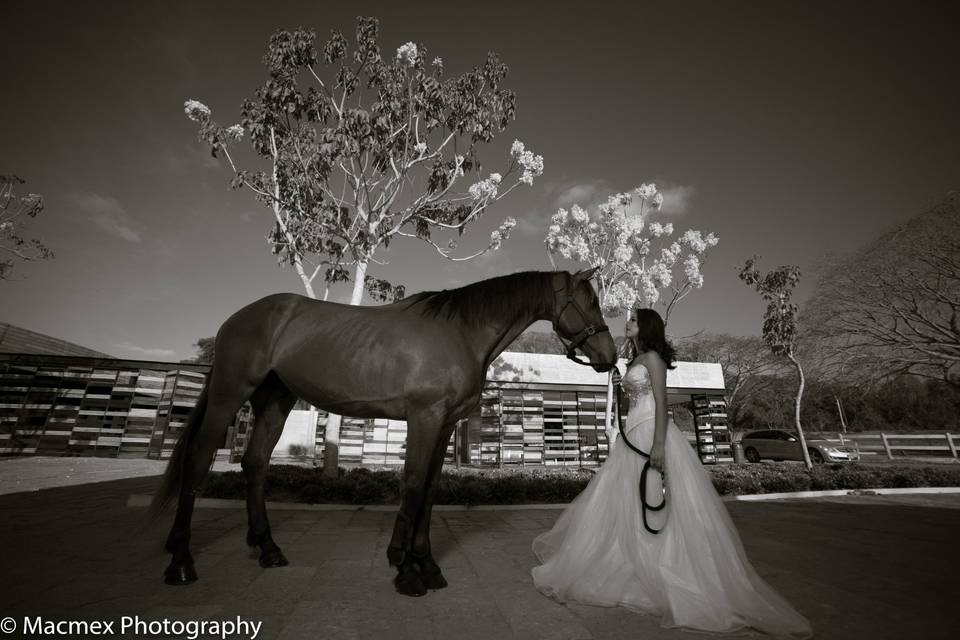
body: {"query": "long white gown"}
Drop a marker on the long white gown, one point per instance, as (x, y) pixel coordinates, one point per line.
(693, 574)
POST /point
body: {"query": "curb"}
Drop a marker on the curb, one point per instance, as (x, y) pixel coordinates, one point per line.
(757, 497)
(141, 500)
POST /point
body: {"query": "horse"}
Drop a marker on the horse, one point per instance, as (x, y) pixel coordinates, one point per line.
(423, 359)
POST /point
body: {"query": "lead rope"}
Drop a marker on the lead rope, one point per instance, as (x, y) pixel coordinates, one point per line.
(644, 506)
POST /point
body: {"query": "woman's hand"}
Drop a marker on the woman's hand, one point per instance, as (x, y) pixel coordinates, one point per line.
(658, 456)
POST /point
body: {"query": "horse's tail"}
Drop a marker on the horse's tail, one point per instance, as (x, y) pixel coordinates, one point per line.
(172, 477)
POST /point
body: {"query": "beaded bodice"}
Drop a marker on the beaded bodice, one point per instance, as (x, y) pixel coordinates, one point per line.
(636, 383)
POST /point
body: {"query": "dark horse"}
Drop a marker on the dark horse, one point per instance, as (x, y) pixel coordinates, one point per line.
(423, 359)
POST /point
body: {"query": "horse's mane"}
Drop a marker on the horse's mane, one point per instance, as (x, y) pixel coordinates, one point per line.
(494, 299)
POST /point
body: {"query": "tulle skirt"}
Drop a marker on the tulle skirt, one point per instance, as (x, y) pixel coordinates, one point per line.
(693, 574)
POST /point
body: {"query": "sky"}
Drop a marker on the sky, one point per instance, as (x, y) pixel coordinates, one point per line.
(789, 129)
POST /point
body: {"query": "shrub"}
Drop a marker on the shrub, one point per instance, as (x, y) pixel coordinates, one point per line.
(298, 451)
(471, 486)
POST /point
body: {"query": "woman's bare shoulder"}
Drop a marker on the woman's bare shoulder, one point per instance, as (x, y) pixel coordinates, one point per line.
(653, 362)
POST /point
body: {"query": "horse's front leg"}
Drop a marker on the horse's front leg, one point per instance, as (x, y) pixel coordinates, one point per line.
(430, 572)
(422, 433)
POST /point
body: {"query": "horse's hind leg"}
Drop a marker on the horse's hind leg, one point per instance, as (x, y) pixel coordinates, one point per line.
(225, 397)
(272, 402)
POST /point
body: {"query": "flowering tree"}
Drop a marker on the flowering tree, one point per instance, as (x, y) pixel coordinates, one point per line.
(621, 241)
(380, 149)
(780, 323)
(14, 210)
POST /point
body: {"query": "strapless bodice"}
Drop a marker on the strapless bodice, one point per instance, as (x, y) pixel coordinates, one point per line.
(636, 383)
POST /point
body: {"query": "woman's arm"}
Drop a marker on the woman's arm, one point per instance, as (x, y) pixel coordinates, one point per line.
(658, 380)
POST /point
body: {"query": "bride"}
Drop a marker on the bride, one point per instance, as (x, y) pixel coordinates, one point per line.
(691, 573)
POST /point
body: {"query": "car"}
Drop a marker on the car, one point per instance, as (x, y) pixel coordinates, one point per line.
(774, 444)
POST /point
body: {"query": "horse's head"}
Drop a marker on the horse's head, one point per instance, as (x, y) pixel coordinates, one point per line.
(578, 321)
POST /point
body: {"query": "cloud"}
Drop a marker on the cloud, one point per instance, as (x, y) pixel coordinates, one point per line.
(108, 214)
(134, 351)
(590, 194)
(585, 194)
(561, 195)
(183, 160)
(676, 200)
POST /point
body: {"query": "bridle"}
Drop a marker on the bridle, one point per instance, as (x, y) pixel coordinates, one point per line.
(589, 328)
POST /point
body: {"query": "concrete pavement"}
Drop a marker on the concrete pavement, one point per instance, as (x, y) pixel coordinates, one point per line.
(854, 567)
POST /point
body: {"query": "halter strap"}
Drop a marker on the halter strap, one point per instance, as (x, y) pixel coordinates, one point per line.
(644, 506)
(589, 328)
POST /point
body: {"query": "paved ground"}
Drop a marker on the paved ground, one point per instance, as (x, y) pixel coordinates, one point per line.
(858, 567)
(43, 472)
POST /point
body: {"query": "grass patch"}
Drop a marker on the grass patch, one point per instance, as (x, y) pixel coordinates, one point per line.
(292, 483)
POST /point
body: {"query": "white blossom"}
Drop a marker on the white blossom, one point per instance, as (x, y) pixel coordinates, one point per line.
(658, 200)
(437, 62)
(501, 233)
(649, 290)
(532, 164)
(579, 215)
(661, 274)
(633, 226)
(691, 267)
(196, 110)
(407, 54)
(623, 253)
(693, 240)
(486, 189)
(235, 133)
(619, 298)
(420, 148)
(670, 254)
(646, 191)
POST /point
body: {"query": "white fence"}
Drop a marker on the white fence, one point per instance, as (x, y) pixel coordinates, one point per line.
(940, 445)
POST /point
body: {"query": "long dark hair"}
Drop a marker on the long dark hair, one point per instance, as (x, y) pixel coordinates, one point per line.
(651, 336)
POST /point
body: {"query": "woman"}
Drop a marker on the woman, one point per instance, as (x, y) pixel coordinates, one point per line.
(693, 572)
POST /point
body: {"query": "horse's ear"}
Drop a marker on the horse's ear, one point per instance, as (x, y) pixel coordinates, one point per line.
(585, 275)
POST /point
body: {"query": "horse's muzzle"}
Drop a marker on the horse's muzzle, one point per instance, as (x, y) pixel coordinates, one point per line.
(602, 367)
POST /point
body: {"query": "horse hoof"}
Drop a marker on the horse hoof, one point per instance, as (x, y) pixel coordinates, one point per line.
(410, 584)
(433, 580)
(179, 574)
(394, 556)
(270, 559)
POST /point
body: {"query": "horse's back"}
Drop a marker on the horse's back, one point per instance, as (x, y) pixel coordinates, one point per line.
(346, 358)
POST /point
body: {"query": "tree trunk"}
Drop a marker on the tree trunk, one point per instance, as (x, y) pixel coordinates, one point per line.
(307, 285)
(331, 435)
(843, 422)
(796, 413)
